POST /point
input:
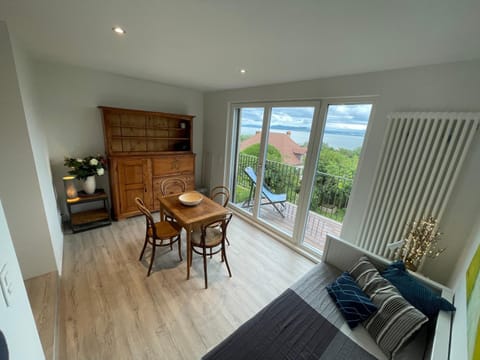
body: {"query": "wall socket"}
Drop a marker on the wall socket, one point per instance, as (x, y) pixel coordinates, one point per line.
(6, 284)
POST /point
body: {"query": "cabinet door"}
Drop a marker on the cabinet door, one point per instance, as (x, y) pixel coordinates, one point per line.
(134, 180)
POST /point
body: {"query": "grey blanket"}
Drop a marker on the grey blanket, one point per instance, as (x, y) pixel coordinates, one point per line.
(302, 323)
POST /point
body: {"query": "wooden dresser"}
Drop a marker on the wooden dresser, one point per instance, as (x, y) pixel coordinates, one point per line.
(143, 149)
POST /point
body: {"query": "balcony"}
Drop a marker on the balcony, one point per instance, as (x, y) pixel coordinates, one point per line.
(329, 201)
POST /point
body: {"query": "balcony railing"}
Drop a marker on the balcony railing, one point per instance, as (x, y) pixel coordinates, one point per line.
(330, 192)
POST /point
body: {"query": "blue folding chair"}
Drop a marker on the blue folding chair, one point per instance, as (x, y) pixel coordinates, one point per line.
(276, 200)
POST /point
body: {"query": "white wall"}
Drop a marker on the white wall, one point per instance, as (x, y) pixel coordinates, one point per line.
(448, 87)
(19, 183)
(458, 283)
(67, 99)
(40, 152)
(16, 321)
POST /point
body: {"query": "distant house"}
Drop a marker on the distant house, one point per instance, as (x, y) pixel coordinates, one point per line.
(292, 153)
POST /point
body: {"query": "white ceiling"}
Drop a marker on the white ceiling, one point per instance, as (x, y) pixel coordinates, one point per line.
(203, 44)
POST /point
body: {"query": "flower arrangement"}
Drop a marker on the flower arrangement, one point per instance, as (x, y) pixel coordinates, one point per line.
(421, 241)
(88, 166)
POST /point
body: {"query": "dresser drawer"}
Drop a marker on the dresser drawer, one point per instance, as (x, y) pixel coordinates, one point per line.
(175, 164)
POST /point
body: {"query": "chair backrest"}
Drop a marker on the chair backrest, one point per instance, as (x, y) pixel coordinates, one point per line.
(148, 215)
(253, 177)
(220, 221)
(173, 186)
(220, 194)
(251, 174)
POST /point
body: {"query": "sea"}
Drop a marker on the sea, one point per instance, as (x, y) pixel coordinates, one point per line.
(335, 140)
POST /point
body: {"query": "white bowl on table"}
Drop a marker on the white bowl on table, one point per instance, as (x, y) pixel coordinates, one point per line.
(191, 198)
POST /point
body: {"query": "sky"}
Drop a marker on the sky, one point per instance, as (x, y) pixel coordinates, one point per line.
(348, 119)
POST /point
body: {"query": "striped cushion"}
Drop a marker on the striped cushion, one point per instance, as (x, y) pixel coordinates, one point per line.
(396, 319)
(352, 302)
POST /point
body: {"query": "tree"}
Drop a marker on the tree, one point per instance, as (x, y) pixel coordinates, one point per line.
(335, 169)
(273, 176)
(340, 162)
(272, 152)
(333, 181)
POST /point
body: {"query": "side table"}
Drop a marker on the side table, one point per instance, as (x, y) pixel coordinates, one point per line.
(89, 219)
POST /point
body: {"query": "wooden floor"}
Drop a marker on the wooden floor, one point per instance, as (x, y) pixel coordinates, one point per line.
(42, 293)
(111, 310)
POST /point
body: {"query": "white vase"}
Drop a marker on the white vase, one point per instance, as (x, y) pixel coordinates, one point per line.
(88, 185)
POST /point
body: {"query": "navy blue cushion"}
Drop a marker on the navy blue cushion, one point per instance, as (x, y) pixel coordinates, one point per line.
(353, 303)
(414, 292)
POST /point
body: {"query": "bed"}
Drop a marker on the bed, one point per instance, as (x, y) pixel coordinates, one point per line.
(304, 323)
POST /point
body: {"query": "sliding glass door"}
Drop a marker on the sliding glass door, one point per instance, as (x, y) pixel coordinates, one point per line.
(288, 133)
(249, 121)
(293, 165)
(270, 153)
(334, 171)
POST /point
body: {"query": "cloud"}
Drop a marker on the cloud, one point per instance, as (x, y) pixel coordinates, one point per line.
(346, 117)
(286, 116)
(353, 113)
(292, 116)
(252, 116)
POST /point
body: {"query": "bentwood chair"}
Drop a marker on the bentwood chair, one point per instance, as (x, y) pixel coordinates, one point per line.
(172, 186)
(211, 236)
(162, 233)
(221, 195)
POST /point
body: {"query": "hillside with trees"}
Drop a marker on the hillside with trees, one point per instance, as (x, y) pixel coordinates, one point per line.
(333, 181)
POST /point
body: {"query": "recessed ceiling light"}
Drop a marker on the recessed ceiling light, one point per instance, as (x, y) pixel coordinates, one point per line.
(243, 71)
(118, 30)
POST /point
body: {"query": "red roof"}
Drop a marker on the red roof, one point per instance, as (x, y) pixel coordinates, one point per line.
(292, 153)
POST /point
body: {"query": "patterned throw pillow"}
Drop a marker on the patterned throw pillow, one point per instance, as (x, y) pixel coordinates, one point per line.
(352, 302)
(396, 320)
(414, 292)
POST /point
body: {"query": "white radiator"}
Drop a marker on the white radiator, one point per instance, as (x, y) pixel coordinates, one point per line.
(421, 158)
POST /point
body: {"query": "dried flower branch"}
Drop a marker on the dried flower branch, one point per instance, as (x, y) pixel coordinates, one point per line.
(421, 241)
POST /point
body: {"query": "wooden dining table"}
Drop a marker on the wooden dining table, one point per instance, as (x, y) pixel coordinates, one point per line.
(190, 217)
